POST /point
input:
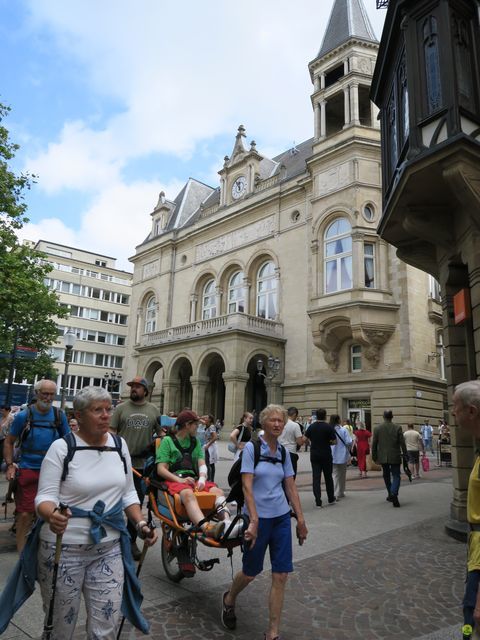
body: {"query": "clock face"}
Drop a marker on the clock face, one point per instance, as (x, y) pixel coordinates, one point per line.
(239, 187)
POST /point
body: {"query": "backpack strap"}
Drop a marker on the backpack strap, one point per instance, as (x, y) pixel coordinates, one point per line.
(72, 448)
(193, 442)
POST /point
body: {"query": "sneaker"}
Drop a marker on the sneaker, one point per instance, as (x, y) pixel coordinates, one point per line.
(332, 502)
(214, 530)
(136, 553)
(395, 501)
(229, 619)
(389, 498)
(237, 529)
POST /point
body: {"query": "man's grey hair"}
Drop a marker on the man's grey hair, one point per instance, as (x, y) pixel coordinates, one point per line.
(39, 384)
(469, 393)
(273, 408)
(88, 395)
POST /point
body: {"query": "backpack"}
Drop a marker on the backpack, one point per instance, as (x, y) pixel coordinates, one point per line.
(72, 448)
(235, 476)
(30, 424)
(186, 461)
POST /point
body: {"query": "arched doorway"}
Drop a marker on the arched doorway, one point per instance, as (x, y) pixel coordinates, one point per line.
(180, 380)
(212, 369)
(154, 374)
(256, 391)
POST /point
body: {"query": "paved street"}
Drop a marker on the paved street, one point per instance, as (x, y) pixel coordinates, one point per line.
(367, 571)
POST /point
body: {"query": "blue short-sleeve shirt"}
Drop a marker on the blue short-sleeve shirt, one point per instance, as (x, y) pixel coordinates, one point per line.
(270, 499)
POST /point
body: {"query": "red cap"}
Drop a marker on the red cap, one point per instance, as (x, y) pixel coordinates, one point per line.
(186, 416)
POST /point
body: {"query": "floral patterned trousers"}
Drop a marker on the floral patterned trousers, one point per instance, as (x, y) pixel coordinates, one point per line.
(96, 570)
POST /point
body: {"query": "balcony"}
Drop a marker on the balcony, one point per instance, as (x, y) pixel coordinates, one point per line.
(214, 326)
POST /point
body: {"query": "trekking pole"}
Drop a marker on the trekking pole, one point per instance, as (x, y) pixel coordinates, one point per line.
(137, 573)
(48, 628)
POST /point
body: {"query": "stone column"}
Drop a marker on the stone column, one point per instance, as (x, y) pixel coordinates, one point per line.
(346, 102)
(274, 391)
(354, 104)
(322, 81)
(323, 119)
(358, 275)
(218, 300)
(198, 393)
(235, 384)
(247, 284)
(170, 394)
(193, 307)
(317, 117)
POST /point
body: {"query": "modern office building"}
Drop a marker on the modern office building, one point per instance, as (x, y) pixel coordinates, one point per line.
(273, 285)
(98, 296)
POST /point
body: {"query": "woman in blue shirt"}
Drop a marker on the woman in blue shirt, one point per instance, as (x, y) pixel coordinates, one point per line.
(268, 488)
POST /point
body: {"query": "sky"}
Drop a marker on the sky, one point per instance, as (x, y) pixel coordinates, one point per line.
(113, 101)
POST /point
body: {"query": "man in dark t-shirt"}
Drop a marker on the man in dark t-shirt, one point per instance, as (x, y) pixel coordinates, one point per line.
(321, 436)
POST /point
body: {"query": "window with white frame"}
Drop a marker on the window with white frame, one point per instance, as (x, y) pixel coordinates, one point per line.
(236, 293)
(355, 358)
(369, 264)
(338, 256)
(267, 302)
(151, 315)
(209, 301)
(434, 288)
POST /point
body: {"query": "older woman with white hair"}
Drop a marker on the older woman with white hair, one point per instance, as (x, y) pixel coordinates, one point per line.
(90, 471)
(269, 489)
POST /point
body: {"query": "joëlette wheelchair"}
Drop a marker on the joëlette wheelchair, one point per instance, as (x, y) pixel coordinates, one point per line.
(180, 537)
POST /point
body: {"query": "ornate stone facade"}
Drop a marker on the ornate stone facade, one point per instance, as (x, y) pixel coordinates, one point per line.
(282, 259)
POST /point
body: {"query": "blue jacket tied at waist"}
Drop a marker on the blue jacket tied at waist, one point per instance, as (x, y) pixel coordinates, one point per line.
(21, 582)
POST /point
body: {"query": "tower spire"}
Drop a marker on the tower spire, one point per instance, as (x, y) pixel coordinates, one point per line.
(348, 19)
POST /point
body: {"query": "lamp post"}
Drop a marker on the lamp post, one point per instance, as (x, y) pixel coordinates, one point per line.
(112, 380)
(272, 367)
(69, 340)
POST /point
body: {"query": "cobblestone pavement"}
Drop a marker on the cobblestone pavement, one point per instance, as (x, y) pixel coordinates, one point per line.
(400, 585)
(366, 571)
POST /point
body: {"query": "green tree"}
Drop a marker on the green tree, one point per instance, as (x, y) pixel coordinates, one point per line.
(27, 307)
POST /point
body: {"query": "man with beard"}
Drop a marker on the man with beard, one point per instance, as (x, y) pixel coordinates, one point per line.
(136, 420)
(36, 427)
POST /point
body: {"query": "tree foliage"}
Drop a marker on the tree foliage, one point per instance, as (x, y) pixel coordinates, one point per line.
(28, 309)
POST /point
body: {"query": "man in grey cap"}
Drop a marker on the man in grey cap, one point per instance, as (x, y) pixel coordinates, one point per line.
(136, 421)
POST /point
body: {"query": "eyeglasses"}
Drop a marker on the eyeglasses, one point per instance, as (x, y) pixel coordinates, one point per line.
(98, 411)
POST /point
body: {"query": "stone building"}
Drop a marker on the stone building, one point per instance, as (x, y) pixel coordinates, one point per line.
(98, 296)
(426, 85)
(274, 286)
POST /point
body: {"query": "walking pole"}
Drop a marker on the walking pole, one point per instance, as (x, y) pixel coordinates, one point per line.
(137, 573)
(48, 628)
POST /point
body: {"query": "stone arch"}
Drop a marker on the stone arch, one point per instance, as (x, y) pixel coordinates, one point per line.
(232, 267)
(154, 373)
(178, 385)
(255, 264)
(210, 384)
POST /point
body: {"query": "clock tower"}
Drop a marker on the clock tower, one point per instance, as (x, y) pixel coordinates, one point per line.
(240, 171)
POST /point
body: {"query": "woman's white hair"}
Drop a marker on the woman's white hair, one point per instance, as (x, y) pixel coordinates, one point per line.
(469, 393)
(273, 408)
(86, 396)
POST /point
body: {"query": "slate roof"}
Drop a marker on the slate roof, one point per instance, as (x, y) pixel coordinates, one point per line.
(348, 19)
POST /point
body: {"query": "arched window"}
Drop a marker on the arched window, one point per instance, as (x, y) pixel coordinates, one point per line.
(209, 301)
(151, 315)
(236, 293)
(338, 256)
(267, 292)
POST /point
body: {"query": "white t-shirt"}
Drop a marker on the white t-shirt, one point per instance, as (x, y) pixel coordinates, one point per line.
(412, 439)
(291, 431)
(92, 475)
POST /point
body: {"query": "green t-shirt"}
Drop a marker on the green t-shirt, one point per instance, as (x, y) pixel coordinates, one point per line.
(168, 452)
(137, 424)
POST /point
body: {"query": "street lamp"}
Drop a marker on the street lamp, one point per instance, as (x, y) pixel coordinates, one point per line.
(112, 380)
(273, 367)
(69, 340)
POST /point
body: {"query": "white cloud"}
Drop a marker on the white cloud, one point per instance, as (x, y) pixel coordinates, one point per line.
(179, 74)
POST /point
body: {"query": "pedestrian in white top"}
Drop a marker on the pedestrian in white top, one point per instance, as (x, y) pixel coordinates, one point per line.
(340, 456)
(292, 437)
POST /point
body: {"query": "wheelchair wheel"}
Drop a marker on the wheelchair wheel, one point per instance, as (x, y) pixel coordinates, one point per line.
(171, 543)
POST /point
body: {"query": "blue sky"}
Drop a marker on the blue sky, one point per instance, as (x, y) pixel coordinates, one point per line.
(114, 101)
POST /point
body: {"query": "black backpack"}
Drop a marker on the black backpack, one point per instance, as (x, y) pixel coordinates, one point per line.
(72, 448)
(186, 461)
(235, 476)
(30, 424)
